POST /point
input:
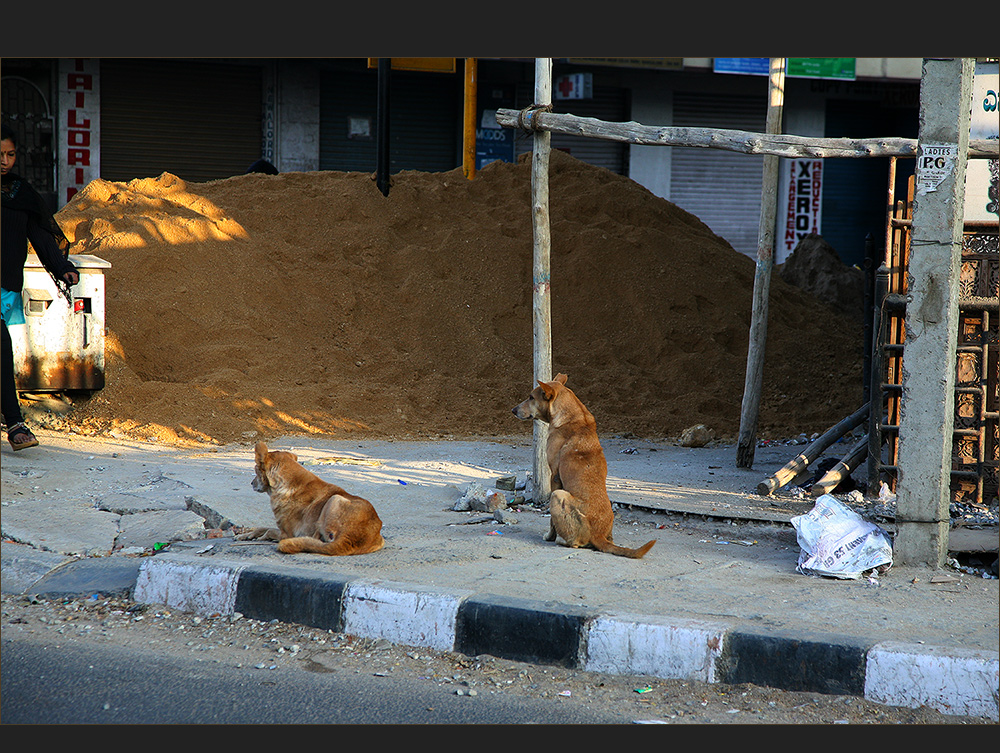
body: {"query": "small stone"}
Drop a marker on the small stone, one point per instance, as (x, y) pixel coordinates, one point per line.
(473, 499)
(504, 516)
(495, 501)
(507, 483)
(698, 435)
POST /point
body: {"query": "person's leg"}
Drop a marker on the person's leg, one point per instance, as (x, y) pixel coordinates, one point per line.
(18, 434)
(8, 390)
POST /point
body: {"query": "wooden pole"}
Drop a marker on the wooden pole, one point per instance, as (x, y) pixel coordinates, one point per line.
(541, 303)
(469, 138)
(800, 462)
(832, 478)
(744, 142)
(762, 278)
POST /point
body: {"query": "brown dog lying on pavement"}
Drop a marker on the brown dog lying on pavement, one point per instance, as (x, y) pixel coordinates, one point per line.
(312, 515)
(579, 507)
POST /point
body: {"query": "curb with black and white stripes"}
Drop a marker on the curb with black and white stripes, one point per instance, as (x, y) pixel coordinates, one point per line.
(953, 681)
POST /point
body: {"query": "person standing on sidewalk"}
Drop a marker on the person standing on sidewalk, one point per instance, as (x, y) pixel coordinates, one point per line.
(25, 217)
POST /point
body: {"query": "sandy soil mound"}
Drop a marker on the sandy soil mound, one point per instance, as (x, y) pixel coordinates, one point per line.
(309, 303)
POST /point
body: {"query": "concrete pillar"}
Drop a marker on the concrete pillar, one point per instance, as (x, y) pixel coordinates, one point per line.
(928, 372)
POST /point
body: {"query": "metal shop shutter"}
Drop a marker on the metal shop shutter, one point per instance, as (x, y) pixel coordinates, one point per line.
(425, 113)
(198, 121)
(854, 190)
(719, 187)
(610, 104)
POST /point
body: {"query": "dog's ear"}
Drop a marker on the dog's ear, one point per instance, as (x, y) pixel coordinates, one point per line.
(548, 389)
(561, 378)
(260, 451)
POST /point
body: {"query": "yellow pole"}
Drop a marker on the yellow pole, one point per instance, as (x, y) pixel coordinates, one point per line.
(469, 139)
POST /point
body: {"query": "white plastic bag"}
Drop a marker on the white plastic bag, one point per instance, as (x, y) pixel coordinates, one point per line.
(838, 542)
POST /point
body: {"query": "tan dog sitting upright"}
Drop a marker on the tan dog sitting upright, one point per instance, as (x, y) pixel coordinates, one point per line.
(579, 507)
(312, 515)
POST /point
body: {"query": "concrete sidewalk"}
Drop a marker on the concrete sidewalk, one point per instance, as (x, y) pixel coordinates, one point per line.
(717, 599)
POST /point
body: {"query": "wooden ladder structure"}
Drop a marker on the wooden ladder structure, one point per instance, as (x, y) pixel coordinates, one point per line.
(976, 443)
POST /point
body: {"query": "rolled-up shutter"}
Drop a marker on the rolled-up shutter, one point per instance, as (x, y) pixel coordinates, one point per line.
(719, 187)
(197, 120)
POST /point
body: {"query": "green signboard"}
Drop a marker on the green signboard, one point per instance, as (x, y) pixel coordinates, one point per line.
(842, 68)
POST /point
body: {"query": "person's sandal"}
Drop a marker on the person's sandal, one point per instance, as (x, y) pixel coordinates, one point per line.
(20, 437)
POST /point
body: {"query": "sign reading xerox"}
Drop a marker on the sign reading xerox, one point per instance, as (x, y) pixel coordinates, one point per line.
(800, 204)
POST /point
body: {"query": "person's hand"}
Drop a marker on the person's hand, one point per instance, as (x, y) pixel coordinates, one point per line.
(72, 278)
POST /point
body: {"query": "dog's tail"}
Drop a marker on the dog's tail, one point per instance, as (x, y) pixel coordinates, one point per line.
(636, 554)
(342, 545)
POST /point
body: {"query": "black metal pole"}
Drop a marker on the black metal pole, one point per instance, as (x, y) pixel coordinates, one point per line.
(869, 296)
(382, 127)
(876, 400)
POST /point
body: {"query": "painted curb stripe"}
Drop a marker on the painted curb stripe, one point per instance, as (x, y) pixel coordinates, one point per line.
(520, 630)
(671, 649)
(268, 595)
(952, 681)
(829, 664)
(189, 587)
(401, 615)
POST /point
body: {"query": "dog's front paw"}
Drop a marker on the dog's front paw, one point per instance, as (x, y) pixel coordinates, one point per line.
(258, 534)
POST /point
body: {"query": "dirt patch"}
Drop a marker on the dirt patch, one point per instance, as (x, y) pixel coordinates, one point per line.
(815, 266)
(309, 303)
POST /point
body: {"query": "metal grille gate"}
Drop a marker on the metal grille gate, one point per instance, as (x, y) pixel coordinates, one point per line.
(976, 436)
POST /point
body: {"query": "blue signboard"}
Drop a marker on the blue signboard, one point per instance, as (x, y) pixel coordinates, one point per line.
(493, 142)
(747, 66)
(840, 68)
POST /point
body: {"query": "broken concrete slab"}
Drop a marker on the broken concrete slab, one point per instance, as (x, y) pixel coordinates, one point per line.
(161, 526)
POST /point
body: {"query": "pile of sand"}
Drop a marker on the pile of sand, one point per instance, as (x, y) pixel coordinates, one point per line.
(814, 265)
(309, 303)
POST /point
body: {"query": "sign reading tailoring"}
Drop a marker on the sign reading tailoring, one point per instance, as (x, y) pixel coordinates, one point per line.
(79, 154)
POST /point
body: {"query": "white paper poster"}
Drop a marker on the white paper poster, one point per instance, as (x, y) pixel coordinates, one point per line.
(981, 174)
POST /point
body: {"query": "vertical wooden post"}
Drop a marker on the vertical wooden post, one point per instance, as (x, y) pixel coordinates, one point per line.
(469, 130)
(762, 278)
(541, 304)
(927, 414)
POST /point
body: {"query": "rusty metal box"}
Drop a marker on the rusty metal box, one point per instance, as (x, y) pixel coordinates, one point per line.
(61, 345)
